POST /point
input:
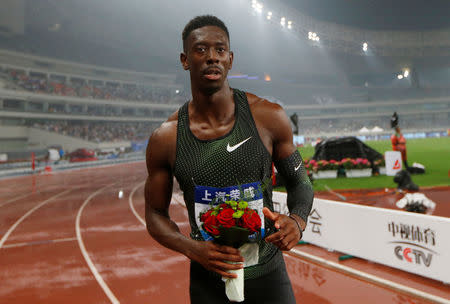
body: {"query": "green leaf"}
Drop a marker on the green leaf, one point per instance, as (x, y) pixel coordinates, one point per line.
(238, 214)
(242, 205)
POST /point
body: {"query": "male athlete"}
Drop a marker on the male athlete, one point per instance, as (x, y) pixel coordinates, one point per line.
(225, 139)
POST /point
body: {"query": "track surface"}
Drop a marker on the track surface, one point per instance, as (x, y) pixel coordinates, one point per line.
(68, 237)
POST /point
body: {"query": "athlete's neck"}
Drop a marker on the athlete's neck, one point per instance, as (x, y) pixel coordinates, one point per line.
(216, 108)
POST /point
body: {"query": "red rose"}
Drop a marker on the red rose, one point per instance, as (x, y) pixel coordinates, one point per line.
(210, 223)
(251, 220)
(206, 215)
(225, 218)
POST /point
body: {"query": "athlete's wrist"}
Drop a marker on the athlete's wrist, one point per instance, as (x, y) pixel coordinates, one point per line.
(300, 229)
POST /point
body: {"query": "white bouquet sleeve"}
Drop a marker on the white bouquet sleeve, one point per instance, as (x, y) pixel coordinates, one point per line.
(234, 288)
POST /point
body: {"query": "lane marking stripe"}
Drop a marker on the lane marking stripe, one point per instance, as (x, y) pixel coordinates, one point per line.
(85, 254)
(368, 277)
(130, 201)
(14, 199)
(11, 229)
(39, 242)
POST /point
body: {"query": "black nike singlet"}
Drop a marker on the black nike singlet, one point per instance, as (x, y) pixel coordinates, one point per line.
(236, 158)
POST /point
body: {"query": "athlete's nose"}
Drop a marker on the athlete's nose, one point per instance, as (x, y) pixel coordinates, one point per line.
(212, 56)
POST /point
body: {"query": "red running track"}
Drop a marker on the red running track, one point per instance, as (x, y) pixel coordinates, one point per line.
(68, 237)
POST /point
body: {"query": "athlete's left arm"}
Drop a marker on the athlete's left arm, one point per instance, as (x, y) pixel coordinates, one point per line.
(289, 164)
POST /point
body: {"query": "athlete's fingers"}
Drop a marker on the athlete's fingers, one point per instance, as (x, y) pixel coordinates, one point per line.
(226, 249)
(224, 273)
(275, 237)
(273, 216)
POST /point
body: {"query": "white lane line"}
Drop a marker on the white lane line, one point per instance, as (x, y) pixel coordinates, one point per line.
(130, 201)
(14, 245)
(14, 199)
(369, 277)
(11, 229)
(85, 254)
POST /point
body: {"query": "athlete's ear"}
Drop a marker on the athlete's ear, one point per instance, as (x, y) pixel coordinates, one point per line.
(184, 61)
(231, 59)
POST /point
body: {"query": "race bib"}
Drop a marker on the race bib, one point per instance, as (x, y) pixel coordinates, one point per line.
(206, 197)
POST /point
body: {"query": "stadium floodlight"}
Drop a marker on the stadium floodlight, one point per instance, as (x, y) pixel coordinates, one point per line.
(269, 15)
(283, 21)
(365, 46)
(313, 36)
(400, 76)
(406, 73)
(177, 91)
(259, 7)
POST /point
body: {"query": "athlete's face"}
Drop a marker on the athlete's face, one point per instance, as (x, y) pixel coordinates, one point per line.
(208, 58)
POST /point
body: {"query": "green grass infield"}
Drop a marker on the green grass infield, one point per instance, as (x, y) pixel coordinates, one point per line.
(433, 153)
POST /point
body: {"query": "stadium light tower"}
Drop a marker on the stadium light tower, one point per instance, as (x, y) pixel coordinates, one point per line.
(269, 15)
(283, 21)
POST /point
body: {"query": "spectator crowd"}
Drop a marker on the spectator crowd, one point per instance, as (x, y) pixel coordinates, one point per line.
(81, 88)
(99, 131)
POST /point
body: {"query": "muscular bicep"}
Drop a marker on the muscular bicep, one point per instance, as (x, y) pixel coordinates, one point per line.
(158, 187)
(158, 191)
(282, 136)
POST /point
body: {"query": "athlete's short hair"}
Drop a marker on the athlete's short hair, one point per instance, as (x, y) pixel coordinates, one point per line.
(201, 21)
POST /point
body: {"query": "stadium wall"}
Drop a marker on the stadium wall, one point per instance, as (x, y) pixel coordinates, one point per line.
(40, 139)
(23, 138)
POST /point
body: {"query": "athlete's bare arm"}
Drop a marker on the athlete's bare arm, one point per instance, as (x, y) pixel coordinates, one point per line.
(276, 133)
(160, 157)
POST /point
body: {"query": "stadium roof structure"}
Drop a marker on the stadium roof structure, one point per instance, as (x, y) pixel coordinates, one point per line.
(145, 35)
(387, 28)
(399, 15)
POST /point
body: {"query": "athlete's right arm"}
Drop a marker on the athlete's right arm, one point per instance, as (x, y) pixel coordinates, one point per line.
(158, 193)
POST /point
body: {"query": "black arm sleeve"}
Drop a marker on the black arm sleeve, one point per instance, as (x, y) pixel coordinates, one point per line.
(300, 192)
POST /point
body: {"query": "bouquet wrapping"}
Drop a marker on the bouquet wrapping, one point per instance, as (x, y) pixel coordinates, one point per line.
(233, 223)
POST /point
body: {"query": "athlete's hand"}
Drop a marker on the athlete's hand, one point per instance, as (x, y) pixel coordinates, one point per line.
(288, 233)
(214, 257)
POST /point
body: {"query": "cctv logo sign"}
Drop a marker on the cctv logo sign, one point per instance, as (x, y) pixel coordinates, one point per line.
(413, 244)
(417, 256)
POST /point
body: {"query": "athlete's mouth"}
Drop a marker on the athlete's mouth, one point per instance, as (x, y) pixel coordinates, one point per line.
(212, 73)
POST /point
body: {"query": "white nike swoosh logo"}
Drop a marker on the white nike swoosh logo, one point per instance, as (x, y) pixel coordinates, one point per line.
(298, 167)
(232, 148)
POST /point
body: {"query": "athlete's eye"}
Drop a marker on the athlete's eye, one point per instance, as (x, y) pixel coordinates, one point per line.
(220, 50)
(200, 49)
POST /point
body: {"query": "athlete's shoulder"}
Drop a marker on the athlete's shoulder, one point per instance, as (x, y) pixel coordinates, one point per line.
(264, 109)
(166, 132)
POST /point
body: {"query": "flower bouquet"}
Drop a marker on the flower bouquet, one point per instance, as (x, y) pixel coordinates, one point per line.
(233, 223)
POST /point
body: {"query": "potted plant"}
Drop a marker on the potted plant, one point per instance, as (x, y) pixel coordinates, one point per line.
(359, 167)
(325, 169)
(381, 165)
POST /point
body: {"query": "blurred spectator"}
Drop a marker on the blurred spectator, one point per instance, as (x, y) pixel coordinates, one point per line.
(80, 88)
(99, 131)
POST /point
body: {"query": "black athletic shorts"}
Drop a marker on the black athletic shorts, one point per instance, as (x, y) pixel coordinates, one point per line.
(272, 288)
